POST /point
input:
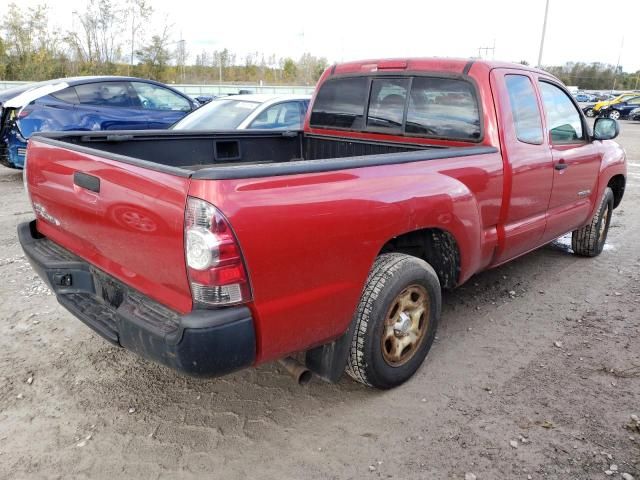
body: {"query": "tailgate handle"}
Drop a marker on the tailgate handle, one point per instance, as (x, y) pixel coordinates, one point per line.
(87, 181)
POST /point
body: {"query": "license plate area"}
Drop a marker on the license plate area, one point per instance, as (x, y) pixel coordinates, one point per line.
(112, 292)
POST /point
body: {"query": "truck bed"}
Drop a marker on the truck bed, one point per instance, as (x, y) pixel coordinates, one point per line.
(239, 154)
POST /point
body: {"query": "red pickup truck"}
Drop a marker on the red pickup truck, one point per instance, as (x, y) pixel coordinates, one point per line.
(213, 251)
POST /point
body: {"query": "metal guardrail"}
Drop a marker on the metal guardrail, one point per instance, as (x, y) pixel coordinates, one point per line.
(195, 90)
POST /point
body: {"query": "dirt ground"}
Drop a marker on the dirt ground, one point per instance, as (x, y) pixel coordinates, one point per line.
(535, 373)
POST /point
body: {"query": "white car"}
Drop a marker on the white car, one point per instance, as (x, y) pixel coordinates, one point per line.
(242, 112)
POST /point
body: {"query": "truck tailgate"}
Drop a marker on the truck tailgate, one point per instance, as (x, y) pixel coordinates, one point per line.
(124, 219)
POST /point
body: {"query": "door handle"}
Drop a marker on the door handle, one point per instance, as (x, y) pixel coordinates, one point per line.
(87, 181)
(561, 165)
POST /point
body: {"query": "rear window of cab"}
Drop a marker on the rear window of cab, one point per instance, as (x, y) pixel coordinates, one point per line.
(424, 106)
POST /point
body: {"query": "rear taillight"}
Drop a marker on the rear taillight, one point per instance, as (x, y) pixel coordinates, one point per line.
(214, 261)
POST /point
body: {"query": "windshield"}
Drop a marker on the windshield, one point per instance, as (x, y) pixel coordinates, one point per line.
(223, 114)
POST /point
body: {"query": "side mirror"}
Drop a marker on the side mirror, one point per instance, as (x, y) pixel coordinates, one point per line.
(605, 129)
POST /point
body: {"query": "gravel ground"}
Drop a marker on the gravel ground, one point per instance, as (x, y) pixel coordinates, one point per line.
(535, 373)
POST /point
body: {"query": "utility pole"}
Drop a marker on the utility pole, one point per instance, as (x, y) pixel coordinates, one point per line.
(181, 56)
(133, 37)
(486, 51)
(615, 72)
(544, 32)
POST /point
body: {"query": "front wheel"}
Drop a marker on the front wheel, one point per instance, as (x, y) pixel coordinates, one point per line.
(615, 114)
(396, 321)
(590, 112)
(589, 240)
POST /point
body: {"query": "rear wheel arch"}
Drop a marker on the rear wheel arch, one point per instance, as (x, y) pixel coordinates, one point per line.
(436, 246)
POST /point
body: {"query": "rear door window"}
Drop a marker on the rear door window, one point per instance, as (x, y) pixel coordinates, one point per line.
(386, 103)
(444, 108)
(106, 94)
(340, 104)
(68, 95)
(435, 107)
(524, 106)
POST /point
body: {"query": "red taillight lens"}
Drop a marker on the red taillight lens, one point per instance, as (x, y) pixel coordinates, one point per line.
(216, 269)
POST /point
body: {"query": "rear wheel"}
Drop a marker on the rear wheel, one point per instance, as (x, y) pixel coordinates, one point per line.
(615, 114)
(589, 240)
(396, 321)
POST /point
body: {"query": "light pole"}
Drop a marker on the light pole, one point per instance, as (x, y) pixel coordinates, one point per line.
(544, 31)
(615, 72)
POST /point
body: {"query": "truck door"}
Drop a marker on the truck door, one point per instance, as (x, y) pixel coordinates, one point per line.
(576, 162)
(528, 163)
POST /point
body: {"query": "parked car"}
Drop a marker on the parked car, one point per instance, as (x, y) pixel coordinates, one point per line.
(599, 97)
(230, 249)
(85, 103)
(621, 109)
(248, 111)
(594, 110)
(634, 114)
(202, 99)
(585, 97)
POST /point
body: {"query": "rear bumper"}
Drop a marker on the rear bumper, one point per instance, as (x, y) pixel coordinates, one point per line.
(200, 343)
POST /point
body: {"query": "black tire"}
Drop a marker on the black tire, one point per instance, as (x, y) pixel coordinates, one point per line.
(590, 112)
(589, 240)
(615, 114)
(393, 274)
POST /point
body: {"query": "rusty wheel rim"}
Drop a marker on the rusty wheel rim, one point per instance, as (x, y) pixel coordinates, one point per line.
(603, 224)
(405, 325)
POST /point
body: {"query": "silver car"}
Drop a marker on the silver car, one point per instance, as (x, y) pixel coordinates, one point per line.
(257, 111)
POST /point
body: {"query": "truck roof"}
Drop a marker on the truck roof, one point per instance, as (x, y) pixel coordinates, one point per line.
(453, 65)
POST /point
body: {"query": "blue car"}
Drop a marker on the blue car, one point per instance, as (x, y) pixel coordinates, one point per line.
(622, 109)
(85, 103)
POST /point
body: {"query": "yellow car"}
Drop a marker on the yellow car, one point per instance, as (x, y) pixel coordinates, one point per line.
(593, 110)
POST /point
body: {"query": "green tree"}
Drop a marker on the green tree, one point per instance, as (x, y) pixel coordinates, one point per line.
(289, 69)
(155, 56)
(30, 48)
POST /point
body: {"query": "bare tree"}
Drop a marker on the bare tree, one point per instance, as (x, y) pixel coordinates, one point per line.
(140, 12)
(99, 41)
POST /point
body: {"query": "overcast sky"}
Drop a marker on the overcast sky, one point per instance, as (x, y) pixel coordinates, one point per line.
(584, 30)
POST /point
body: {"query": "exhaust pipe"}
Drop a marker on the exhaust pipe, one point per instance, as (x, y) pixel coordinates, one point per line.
(301, 373)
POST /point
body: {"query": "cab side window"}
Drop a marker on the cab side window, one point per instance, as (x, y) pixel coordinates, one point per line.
(155, 97)
(106, 94)
(284, 115)
(524, 106)
(563, 119)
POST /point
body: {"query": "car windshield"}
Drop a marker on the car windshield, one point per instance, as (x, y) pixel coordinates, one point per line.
(223, 114)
